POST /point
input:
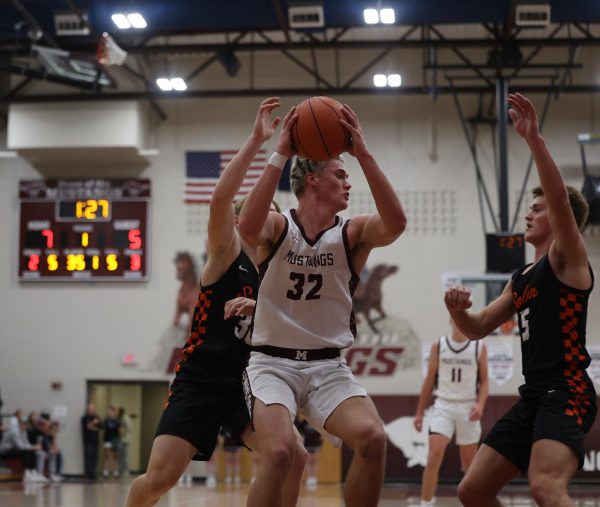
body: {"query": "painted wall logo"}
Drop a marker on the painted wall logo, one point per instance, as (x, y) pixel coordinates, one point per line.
(384, 343)
(592, 461)
(414, 445)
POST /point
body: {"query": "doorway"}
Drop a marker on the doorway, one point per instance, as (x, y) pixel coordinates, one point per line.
(142, 401)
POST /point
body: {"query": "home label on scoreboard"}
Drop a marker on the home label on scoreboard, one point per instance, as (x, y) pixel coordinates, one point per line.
(77, 230)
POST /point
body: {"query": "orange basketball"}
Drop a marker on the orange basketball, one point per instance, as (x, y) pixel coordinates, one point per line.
(318, 133)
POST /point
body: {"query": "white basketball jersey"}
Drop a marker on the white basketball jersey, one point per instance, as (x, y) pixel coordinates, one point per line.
(458, 369)
(305, 295)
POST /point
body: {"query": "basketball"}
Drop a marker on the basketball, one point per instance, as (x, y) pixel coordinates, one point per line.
(318, 133)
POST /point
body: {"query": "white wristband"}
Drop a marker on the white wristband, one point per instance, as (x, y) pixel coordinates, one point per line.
(278, 160)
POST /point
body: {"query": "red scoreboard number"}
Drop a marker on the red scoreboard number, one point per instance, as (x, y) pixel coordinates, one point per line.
(76, 230)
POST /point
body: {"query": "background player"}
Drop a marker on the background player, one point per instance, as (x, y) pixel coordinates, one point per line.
(458, 372)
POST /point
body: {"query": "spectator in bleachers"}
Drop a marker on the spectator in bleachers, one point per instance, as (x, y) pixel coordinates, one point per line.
(90, 431)
(13, 422)
(33, 432)
(15, 444)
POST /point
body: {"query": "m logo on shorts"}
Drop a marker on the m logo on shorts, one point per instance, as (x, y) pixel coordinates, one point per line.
(301, 355)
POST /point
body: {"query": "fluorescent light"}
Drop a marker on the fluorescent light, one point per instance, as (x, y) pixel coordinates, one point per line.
(121, 21)
(380, 80)
(164, 84)
(137, 20)
(394, 80)
(371, 16)
(388, 16)
(178, 84)
(169, 84)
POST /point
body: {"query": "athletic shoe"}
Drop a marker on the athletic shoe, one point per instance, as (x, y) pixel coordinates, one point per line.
(37, 477)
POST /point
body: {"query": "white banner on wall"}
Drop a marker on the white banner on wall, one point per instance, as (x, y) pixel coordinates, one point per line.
(594, 368)
(500, 358)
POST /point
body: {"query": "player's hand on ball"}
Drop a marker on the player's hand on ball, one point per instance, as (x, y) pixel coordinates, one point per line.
(239, 307)
(358, 145)
(458, 298)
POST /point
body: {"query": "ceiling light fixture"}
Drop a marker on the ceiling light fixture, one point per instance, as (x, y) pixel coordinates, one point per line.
(387, 16)
(171, 84)
(164, 84)
(127, 21)
(391, 80)
(137, 20)
(121, 21)
(178, 84)
(394, 80)
(380, 80)
(373, 16)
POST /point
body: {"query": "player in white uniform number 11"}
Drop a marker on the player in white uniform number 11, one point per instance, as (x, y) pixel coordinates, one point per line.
(458, 373)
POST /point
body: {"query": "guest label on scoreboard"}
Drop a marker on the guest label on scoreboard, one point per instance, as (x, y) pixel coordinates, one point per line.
(77, 230)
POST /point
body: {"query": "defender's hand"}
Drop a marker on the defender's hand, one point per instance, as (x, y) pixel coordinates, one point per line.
(458, 298)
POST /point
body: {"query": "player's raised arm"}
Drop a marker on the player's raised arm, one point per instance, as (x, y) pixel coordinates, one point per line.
(568, 245)
(221, 230)
(478, 325)
(389, 222)
(257, 226)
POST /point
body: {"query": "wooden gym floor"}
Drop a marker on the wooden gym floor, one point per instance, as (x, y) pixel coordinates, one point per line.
(74, 493)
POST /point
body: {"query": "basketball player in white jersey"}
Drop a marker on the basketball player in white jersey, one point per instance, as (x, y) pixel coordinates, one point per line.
(458, 373)
(304, 313)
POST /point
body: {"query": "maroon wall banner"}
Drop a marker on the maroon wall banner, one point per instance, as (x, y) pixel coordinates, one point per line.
(407, 449)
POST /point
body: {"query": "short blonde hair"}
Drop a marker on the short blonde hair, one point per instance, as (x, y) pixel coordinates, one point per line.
(301, 167)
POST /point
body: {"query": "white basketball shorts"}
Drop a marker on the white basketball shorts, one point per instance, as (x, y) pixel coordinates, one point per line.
(453, 416)
(315, 387)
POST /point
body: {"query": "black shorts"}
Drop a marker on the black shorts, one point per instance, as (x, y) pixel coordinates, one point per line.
(196, 411)
(539, 416)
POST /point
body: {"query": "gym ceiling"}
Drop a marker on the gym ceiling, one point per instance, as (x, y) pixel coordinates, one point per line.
(453, 46)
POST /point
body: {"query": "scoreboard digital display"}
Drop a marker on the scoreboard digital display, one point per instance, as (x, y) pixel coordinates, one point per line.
(504, 252)
(77, 230)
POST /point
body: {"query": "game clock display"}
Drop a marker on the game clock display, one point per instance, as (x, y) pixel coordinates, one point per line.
(77, 230)
(504, 252)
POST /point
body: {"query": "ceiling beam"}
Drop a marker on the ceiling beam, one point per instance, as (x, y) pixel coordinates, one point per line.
(303, 92)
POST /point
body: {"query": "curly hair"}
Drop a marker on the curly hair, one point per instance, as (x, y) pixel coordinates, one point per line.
(579, 205)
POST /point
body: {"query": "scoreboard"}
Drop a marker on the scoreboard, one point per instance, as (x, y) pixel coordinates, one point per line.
(77, 230)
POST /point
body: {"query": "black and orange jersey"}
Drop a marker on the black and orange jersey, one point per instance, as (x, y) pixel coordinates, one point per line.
(552, 322)
(217, 348)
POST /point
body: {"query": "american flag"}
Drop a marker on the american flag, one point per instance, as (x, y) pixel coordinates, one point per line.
(203, 168)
